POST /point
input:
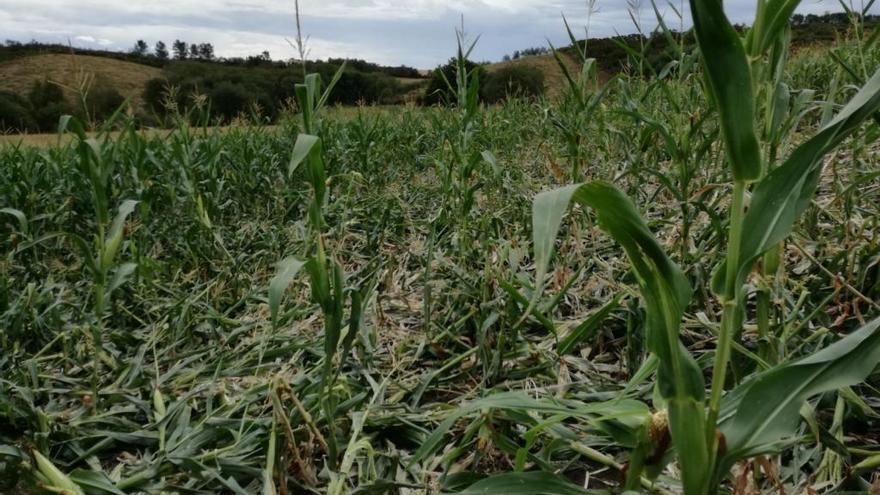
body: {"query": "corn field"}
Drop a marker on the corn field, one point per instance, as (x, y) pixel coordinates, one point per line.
(668, 282)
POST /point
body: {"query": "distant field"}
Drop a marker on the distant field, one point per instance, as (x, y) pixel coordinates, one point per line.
(52, 139)
(47, 140)
(128, 78)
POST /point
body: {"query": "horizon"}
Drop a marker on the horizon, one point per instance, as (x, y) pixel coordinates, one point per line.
(415, 33)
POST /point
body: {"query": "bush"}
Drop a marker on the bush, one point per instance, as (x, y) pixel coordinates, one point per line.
(515, 81)
(47, 105)
(102, 101)
(154, 95)
(355, 86)
(229, 99)
(15, 114)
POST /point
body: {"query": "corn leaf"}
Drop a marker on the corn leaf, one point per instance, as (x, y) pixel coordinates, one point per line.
(731, 83)
(287, 269)
(626, 411)
(301, 150)
(531, 483)
(589, 327)
(666, 292)
(57, 479)
(94, 482)
(787, 191)
(269, 470)
(759, 414)
(773, 17)
(20, 216)
(114, 236)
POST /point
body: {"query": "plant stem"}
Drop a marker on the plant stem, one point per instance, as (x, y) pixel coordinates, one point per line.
(729, 317)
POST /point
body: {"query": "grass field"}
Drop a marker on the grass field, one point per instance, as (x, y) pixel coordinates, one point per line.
(628, 287)
(128, 78)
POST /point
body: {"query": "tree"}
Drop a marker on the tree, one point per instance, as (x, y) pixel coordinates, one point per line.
(140, 48)
(14, 114)
(206, 51)
(194, 51)
(161, 51)
(512, 82)
(180, 50)
(229, 99)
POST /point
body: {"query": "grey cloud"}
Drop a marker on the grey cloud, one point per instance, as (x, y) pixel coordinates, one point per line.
(413, 32)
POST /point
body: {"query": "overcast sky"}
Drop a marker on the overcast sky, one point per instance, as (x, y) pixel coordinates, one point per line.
(418, 33)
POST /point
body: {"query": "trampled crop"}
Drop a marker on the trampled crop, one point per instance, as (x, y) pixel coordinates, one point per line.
(665, 282)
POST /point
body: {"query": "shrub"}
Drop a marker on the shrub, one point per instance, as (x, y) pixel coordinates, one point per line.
(515, 81)
(154, 95)
(14, 113)
(47, 105)
(229, 99)
(102, 101)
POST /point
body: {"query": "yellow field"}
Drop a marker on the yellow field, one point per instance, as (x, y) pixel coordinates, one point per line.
(69, 71)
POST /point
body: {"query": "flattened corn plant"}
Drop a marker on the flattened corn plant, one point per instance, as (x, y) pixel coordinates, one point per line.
(160, 347)
(738, 419)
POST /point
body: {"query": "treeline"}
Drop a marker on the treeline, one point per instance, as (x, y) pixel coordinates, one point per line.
(265, 90)
(195, 82)
(161, 55)
(614, 54)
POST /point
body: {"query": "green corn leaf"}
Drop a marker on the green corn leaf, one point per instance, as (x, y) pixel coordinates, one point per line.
(20, 216)
(305, 99)
(589, 327)
(762, 412)
(115, 234)
(531, 483)
(355, 321)
(94, 482)
(332, 84)
(269, 471)
(333, 312)
(666, 292)
(627, 412)
(730, 80)
(301, 150)
(287, 270)
(308, 148)
(55, 477)
(320, 282)
(159, 412)
(772, 18)
(787, 191)
(121, 275)
(871, 464)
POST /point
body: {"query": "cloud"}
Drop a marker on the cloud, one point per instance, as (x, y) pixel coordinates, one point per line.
(413, 32)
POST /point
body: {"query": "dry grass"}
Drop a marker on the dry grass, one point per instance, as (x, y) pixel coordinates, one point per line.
(49, 140)
(128, 78)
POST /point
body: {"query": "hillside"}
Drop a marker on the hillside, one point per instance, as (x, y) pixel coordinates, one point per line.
(128, 78)
(554, 79)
